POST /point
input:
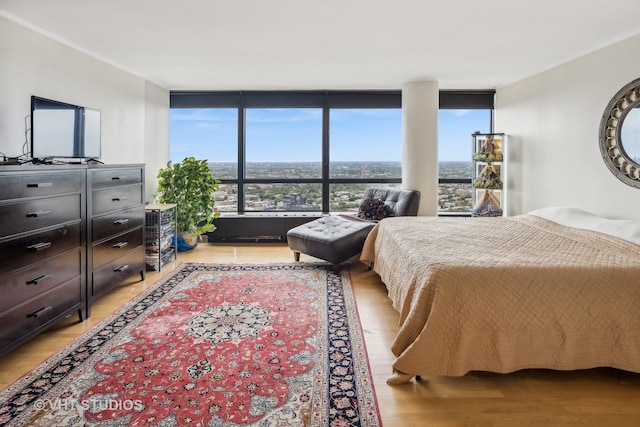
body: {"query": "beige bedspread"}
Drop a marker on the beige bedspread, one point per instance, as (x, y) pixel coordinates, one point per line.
(503, 294)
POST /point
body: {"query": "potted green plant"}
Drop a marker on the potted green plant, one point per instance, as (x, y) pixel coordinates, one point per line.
(190, 185)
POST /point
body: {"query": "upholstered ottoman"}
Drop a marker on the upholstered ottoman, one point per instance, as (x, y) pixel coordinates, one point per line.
(331, 238)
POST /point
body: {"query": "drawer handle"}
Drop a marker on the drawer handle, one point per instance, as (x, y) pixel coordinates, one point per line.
(121, 221)
(39, 246)
(39, 185)
(118, 199)
(37, 280)
(117, 178)
(40, 311)
(121, 268)
(120, 245)
(37, 214)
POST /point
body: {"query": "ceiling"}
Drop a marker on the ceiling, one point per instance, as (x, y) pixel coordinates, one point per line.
(330, 44)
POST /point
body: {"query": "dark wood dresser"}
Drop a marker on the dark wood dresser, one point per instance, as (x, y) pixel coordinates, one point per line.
(68, 233)
(115, 226)
(42, 249)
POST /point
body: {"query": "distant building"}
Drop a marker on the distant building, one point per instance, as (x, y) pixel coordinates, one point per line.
(293, 201)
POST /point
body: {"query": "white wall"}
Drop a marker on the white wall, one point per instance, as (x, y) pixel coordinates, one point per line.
(156, 148)
(552, 121)
(134, 111)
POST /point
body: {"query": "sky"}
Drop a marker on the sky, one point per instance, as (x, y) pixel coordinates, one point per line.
(274, 135)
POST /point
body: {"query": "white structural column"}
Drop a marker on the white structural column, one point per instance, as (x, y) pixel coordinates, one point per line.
(420, 102)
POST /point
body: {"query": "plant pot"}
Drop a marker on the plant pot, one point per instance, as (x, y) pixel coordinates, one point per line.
(186, 242)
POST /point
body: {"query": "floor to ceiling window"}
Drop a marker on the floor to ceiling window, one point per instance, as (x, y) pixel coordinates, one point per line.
(317, 151)
(454, 156)
(212, 134)
(364, 144)
(283, 148)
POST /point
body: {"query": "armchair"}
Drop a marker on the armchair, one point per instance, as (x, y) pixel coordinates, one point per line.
(336, 238)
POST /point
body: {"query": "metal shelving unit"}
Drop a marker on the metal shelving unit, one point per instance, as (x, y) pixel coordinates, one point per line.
(161, 232)
(489, 174)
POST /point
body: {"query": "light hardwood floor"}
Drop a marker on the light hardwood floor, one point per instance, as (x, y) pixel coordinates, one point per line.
(597, 397)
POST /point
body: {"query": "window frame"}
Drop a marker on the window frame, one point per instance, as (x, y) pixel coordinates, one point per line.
(466, 100)
(326, 100)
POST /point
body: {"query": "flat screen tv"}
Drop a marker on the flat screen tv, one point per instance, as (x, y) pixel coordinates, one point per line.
(60, 130)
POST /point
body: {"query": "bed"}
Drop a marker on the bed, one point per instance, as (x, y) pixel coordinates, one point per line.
(557, 288)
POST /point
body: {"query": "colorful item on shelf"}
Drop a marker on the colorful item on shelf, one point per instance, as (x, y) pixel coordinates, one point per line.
(488, 205)
(489, 151)
(488, 178)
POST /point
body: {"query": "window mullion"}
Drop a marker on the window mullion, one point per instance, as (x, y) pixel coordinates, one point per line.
(241, 159)
(326, 146)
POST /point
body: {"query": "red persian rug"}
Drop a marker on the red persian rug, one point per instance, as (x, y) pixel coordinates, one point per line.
(212, 345)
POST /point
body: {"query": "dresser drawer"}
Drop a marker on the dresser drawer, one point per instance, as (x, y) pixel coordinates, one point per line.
(113, 199)
(117, 271)
(20, 285)
(116, 247)
(115, 177)
(33, 214)
(32, 315)
(21, 185)
(115, 223)
(38, 247)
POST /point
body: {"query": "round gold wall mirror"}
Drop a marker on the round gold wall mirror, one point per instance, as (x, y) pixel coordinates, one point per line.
(620, 134)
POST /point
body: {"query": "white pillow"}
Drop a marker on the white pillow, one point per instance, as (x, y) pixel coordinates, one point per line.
(623, 228)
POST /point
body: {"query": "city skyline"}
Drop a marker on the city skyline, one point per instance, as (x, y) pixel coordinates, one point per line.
(307, 196)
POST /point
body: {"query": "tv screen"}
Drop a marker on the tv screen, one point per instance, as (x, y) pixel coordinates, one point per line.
(61, 130)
